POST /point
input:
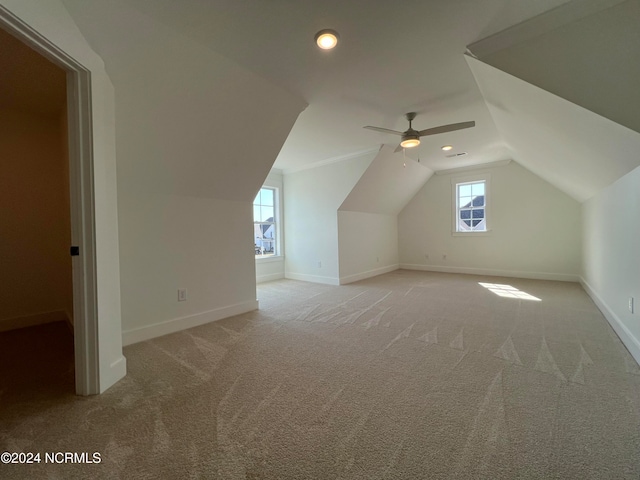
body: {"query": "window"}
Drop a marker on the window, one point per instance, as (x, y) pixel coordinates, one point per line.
(470, 204)
(265, 228)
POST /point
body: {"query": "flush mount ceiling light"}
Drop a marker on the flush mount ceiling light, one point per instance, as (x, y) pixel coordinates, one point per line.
(446, 148)
(327, 39)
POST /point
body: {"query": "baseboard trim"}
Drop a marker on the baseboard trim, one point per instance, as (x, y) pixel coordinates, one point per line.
(368, 274)
(33, 320)
(270, 278)
(115, 372)
(148, 332)
(312, 278)
(623, 332)
(562, 277)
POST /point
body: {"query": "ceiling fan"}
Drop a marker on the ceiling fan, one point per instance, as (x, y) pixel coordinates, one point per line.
(411, 137)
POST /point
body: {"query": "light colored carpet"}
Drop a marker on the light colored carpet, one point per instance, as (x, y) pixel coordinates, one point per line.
(409, 375)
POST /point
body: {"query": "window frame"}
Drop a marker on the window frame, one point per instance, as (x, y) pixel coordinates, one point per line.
(277, 215)
(467, 179)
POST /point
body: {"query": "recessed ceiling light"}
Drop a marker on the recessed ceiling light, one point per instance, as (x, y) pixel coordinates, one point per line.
(446, 148)
(327, 39)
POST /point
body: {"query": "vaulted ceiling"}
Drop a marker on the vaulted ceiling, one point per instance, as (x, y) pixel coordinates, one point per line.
(396, 57)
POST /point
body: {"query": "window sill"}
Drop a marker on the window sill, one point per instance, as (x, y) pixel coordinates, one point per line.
(486, 233)
(274, 258)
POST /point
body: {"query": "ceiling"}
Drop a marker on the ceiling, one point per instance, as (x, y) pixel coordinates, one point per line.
(393, 58)
(555, 88)
(586, 52)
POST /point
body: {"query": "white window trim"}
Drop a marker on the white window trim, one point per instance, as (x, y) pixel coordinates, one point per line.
(279, 256)
(478, 177)
(271, 258)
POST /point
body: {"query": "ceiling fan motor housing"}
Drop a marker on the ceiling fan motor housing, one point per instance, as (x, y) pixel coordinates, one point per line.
(410, 136)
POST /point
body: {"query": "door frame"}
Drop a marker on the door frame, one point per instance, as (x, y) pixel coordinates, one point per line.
(83, 231)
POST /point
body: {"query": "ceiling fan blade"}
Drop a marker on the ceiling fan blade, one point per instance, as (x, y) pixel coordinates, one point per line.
(398, 149)
(383, 130)
(446, 128)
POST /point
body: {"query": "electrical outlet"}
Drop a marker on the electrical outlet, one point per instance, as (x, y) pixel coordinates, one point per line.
(444, 256)
(377, 259)
(182, 294)
(426, 256)
(631, 304)
(319, 264)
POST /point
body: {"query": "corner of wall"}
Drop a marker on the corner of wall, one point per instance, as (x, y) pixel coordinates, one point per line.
(368, 274)
(173, 325)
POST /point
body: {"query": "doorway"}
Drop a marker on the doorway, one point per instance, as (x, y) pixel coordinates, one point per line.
(80, 200)
(35, 220)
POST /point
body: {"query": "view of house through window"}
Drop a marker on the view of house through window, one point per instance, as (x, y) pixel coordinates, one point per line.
(471, 207)
(264, 222)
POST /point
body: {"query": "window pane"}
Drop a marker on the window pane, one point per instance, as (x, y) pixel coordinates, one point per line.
(464, 190)
(264, 239)
(267, 214)
(471, 206)
(478, 201)
(264, 229)
(267, 197)
(269, 231)
(477, 189)
(478, 213)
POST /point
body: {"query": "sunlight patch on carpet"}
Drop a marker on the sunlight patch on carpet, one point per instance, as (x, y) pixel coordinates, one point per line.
(508, 291)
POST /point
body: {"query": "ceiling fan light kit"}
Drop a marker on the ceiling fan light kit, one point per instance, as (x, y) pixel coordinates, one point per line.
(327, 39)
(410, 141)
(411, 137)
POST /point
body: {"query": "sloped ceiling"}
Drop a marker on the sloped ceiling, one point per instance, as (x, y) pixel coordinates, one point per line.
(585, 52)
(562, 89)
(387, 185)
(393, 57)
(189, 121)
(574, 149)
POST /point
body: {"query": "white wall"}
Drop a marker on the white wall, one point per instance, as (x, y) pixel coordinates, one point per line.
(188, 169)
(208, 251)
(368, 245)
(311, 201)
(272, 268)
(611, 260)
(368, 217)
(51, 20)
(535, 229)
